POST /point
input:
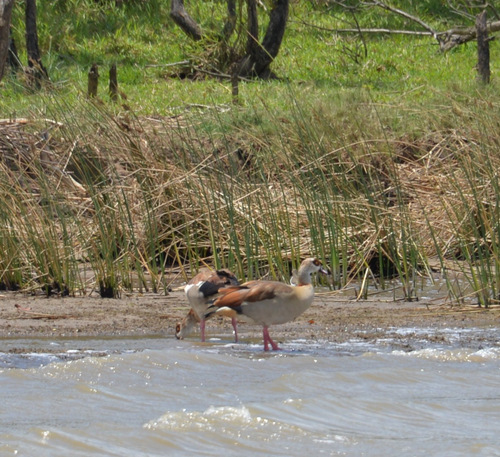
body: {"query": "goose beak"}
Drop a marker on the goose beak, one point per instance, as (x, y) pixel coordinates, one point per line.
(324, 271)
(321, 269)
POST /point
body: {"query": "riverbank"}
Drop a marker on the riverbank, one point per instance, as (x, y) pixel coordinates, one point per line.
(328, 319)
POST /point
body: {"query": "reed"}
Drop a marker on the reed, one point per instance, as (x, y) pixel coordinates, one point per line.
(109, 202)
(12, 272)
(475, 214)
(379, 175)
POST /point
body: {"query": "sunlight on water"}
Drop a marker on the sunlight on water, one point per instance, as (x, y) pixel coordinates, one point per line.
(454, 355)
(187, 398)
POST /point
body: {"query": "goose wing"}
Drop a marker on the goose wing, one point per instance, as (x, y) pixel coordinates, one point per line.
(252, 292)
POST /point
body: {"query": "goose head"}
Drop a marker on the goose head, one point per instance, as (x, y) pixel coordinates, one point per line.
(307, 268)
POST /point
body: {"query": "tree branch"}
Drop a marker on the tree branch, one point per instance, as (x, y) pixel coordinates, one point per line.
(407, 16)
(447, 40)
(181, 17)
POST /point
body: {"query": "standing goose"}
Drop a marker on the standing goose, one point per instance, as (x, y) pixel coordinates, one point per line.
(199, 291)
(269, 302)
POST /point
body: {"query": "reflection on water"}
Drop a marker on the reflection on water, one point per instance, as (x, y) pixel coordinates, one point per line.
(156, 397)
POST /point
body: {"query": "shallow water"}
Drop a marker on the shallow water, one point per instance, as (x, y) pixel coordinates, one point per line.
(156, 397)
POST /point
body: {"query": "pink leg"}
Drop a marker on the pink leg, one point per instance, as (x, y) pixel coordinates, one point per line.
(202, 330)
(268, 340)
(235, 326)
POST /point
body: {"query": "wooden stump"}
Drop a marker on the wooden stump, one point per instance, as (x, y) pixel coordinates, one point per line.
(113, 83)
(234, 86)
(93, 81)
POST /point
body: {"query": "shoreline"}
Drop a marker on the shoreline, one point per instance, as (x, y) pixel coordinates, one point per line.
(328, 319)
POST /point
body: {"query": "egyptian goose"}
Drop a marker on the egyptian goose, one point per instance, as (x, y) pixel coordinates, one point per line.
(269, 302)
(199, 291)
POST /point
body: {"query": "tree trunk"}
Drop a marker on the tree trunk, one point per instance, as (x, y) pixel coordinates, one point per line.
(181, 17)
(13, 58)
(230, 23)
(258, 61)
(5, 15)
(259, 55)
(37, 69)
(252, 27)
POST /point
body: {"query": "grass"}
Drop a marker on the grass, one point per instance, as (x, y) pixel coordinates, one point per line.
(383, 165)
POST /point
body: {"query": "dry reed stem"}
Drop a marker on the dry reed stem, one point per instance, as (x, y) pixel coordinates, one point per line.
(164, 162)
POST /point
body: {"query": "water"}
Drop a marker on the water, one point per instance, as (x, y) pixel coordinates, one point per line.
(157, 397)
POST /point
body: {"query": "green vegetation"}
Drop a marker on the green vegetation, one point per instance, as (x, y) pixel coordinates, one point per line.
(383, 165)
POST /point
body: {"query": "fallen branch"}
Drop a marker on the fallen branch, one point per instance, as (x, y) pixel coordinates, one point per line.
(366, 30)
(449, 39)
(22, 120)
(166, 65)
(407, 16)
(382, 31)
(455, 37)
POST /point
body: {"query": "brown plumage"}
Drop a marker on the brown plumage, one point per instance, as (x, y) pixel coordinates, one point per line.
(200, 290)
(269, 302)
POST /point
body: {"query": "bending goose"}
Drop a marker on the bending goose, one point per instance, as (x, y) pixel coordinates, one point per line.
(269, 302)
(199, 291)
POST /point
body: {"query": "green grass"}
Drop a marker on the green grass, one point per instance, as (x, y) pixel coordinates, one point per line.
(142, 34)
(376, 163)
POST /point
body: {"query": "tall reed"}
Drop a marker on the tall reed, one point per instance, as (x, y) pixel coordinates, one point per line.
(110, 202)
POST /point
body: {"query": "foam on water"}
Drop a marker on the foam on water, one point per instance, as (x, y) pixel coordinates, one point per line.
(34, 360)
(211, 418)
(439, 344)
(453, 355)
(246, 428)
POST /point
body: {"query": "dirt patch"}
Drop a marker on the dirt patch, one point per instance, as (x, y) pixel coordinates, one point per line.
(328, 319)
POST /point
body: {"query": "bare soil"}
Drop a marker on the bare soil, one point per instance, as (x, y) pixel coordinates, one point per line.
(330, 319)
